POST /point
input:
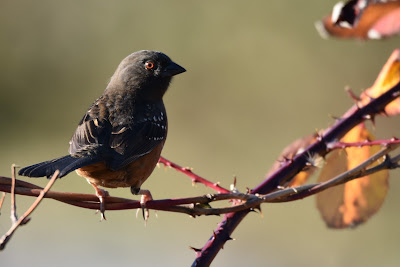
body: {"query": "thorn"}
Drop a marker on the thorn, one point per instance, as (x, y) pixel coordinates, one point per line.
(214, 235)
(248, 191)
(260, 211)
(384, 113)
(196, 250)
(352, 95)
(25, 221)
(234, 181)
(286, 160)
(318, 135)
(187, 169)
(373, 121)
(194, 182)
(230, 238)
(336, 118)
(252, 210)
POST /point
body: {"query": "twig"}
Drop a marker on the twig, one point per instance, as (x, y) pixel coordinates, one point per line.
(291, 194)
(13, 216)
(385, 142)
(360, 170)
(195, 178)
(196, 206)
(7, 236)
(2, 200)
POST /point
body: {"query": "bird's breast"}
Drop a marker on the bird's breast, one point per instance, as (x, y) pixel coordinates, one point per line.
(134, 174)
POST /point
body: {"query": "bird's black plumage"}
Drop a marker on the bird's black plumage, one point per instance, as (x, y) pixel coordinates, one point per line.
(125, 123)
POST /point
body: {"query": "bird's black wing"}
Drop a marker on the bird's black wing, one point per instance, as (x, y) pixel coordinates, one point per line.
(92, 132)
(130, 142)
(118, 140)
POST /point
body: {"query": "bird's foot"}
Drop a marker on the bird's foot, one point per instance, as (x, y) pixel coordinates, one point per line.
(101, 194)
(146, 196)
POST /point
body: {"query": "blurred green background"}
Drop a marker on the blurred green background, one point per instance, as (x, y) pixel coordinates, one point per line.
(258, 77)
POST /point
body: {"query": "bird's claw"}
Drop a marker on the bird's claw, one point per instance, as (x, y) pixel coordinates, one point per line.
(146, 196)
(102, 208)
(101, 194)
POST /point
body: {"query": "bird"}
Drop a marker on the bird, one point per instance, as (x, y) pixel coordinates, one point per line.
(118, 141)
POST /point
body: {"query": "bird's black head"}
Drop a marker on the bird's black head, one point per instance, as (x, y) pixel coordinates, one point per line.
(147, 73)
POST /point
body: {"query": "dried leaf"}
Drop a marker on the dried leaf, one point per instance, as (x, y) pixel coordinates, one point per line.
(356, 201)
(387, 78)
(290, 152)
(376, 21)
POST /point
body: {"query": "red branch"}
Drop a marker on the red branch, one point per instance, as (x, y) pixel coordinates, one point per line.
(195, 178)
(352, 117)
(90, 201)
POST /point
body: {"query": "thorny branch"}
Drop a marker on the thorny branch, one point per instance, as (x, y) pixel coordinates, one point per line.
(354, 116)
(195, 178)
(24, 218)
(197, 206)
(194, 206)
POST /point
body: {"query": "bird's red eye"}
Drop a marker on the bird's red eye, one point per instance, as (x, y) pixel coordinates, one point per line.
(149, 65)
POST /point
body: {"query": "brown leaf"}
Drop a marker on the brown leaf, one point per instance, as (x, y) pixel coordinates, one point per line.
(376, 21)
(354, 202)
(387, 78)
(290, 152)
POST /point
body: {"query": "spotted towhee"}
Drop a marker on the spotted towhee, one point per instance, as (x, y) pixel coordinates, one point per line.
(119, 140)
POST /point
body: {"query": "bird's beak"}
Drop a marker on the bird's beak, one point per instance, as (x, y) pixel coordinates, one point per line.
(172, 69)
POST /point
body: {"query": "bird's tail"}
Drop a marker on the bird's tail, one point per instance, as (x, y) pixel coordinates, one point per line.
(64, 164)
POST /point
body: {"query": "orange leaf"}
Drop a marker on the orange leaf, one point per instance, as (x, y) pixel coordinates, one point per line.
(387, 78)
(356, 201)
(291, 151)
